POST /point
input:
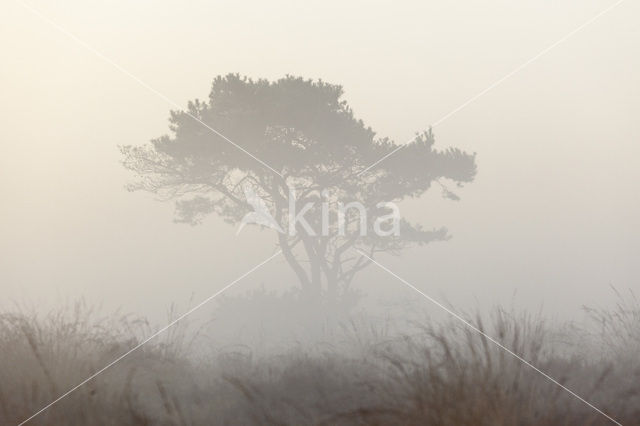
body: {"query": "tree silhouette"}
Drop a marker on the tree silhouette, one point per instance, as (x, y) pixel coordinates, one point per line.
(307, 140)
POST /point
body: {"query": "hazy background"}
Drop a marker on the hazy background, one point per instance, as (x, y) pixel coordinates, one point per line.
(552, 218)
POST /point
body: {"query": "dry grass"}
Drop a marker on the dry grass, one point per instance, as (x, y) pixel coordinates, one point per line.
(444, 375)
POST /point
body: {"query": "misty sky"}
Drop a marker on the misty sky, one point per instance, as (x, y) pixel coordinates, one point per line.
(552, 218)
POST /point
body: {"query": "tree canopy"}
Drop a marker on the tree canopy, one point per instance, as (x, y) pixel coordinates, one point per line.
(307, 140)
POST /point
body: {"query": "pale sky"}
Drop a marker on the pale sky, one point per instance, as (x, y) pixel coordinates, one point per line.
(553, 216)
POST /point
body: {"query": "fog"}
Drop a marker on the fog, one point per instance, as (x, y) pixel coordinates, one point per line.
(552, 216)
(550, 221)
